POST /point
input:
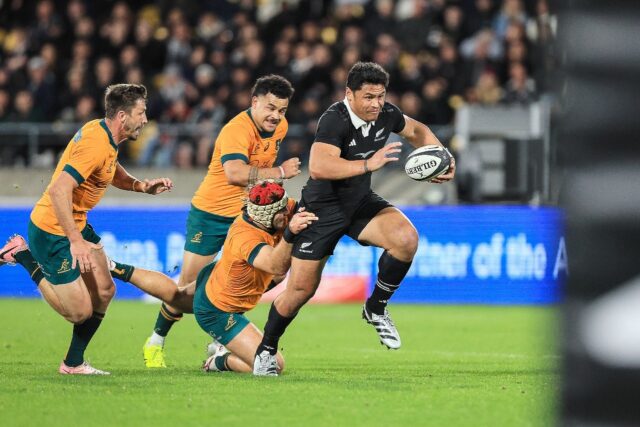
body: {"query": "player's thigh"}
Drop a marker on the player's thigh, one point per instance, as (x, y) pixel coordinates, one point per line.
(319, 240)
(387, 229)
(192, 263)
(220, 325)
(245, 344)
(74, 299)
(205, 236)
(53, 255)
(228, 329)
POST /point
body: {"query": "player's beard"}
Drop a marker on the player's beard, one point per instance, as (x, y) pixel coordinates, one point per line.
(280, 223)
(131, 130)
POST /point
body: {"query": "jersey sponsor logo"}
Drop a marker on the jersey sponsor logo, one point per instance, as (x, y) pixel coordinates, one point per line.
(119, 271)
(364, 155)
(230, 322)
(379, 136)
(64, 266)
(352, 143)
(110, 168)
(77, 136)
(197, 238)
(278, 142)
(267, 145)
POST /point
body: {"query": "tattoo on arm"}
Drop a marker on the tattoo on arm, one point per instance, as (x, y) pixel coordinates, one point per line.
(253, 175)
(260, 174)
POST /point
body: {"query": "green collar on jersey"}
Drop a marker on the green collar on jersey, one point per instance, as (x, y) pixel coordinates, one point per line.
(106, 129)
(263, 134)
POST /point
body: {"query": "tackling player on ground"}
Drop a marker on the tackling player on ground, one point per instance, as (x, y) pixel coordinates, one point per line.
(256, 255)
(349, 146)
(244, 152)
(65, 259)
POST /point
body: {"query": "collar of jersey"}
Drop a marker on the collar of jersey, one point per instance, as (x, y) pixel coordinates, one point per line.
(106, 129)
(262, 133)
(355, 120)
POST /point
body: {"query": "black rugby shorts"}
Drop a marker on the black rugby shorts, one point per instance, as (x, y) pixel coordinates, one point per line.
(334, 221)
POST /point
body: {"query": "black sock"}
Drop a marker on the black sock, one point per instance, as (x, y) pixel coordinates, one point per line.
(391, 271)
(25, 259)
(273, 330)
(82, 334)
(221, 362)
(166, 319)
(122, 271)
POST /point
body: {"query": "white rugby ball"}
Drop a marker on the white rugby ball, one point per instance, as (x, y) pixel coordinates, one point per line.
(428, 162)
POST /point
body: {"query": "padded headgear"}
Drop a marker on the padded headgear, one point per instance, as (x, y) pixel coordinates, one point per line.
(266, 199)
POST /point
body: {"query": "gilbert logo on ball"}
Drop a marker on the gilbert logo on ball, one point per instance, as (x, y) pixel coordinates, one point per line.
(426, 163)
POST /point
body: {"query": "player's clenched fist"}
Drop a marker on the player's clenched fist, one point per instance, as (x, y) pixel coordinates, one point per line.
(291, 167)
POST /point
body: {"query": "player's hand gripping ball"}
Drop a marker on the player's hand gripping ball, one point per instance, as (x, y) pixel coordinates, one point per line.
(428, 162)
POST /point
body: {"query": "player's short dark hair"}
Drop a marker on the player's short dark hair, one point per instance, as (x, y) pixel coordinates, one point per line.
(275, 84)
(122, 97)
(366, 73)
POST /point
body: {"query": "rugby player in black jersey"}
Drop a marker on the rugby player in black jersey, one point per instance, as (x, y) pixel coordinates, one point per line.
(349, 146)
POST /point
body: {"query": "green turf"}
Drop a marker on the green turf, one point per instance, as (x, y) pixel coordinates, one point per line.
(458, 366)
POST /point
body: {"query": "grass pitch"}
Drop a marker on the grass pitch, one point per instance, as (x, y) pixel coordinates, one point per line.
(458, 366)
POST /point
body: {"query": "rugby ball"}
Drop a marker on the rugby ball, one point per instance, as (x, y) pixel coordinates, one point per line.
(428, 162)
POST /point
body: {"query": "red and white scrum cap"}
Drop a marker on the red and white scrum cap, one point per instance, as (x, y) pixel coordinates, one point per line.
(266, 199)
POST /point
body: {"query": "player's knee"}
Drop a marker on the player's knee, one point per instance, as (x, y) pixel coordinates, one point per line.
(406, 239)
(183, 281)
(303, 293)
(106, 292)
(79, 315)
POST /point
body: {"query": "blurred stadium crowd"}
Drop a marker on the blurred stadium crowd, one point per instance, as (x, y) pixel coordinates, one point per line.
(199, 60)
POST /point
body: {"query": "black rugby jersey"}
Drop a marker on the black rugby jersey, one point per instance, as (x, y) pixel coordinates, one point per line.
(335, 127)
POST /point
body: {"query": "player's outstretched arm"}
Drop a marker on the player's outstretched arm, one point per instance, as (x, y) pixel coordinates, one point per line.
(277, 260)
(325, 161)
(241, 174)
(125, 181)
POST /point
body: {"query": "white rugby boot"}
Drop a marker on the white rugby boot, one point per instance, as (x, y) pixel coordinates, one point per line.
(265, 364)
(385, 327)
